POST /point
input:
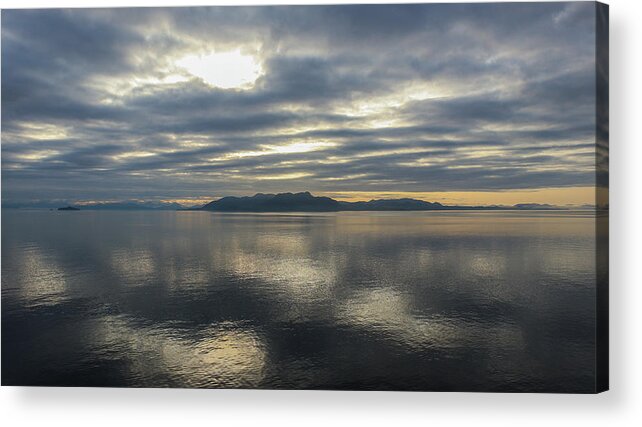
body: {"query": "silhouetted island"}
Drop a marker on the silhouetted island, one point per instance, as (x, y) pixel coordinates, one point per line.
(69, 208)
(306, 202)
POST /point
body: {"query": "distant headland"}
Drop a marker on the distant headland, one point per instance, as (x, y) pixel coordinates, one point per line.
(306, 202)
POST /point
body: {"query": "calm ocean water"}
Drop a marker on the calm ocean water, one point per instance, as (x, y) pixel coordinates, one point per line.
(483, 301)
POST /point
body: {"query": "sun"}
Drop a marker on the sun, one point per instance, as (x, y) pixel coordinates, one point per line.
(226, 70)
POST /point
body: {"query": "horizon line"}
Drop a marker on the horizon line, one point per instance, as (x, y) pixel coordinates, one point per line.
(201, 201)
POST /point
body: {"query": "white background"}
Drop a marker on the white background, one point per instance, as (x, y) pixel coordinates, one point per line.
(620, 406)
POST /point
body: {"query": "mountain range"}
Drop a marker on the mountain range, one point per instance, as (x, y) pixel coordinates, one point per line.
(306, 202)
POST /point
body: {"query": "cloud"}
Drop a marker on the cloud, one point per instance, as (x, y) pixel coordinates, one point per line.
(397, 98)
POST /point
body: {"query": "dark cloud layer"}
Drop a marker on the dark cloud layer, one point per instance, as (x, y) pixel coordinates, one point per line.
(351, 98)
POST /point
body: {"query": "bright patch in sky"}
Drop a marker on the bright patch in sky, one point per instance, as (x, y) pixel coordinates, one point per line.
(297, 147)
(227, 70)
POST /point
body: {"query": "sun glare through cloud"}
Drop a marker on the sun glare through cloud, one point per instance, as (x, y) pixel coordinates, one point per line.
(226, 70)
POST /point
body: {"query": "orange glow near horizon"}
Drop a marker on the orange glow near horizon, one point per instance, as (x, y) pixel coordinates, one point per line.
(570, 196)
(575, 196)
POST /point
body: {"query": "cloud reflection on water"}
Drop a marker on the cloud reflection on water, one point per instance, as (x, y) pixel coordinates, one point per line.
(412, 301)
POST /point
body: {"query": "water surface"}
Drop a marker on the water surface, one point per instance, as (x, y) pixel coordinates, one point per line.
(468, 301)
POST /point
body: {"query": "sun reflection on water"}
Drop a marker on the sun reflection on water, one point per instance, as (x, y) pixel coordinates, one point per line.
(227, 354)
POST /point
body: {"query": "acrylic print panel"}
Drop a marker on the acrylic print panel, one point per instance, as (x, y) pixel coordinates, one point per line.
(367, 197)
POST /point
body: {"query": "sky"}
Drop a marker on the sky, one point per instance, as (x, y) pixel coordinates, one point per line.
(456, 103)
